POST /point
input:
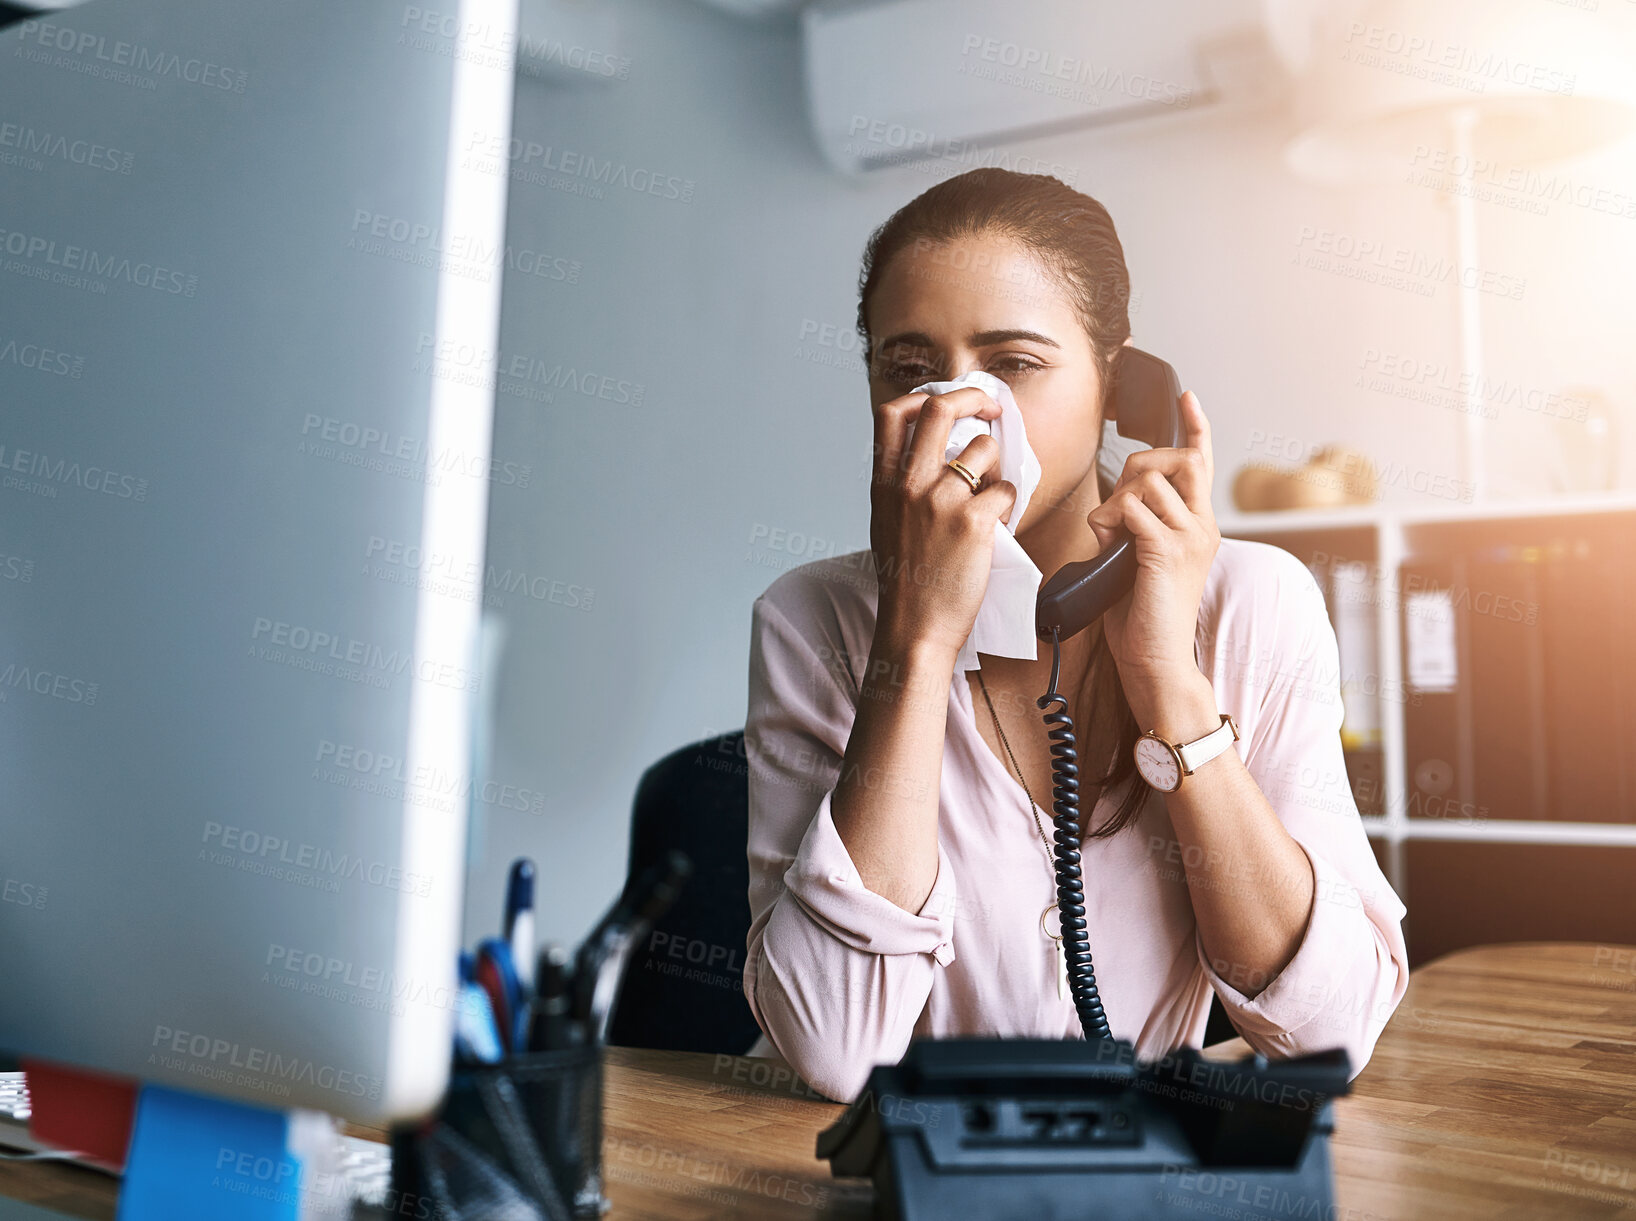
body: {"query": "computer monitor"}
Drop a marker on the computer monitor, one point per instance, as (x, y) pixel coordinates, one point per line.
(244, 475)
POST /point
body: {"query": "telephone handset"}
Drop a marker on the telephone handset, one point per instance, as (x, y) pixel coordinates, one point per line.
(1143, 395)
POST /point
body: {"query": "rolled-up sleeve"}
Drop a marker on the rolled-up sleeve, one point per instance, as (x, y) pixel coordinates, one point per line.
(1351, 968)
(835, 974)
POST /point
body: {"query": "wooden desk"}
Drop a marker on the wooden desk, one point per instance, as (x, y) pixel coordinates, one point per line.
(1505, 1086)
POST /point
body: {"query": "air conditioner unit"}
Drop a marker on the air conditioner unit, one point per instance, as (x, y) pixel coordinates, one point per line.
(757, 9)
(13, 11)
(954, 80)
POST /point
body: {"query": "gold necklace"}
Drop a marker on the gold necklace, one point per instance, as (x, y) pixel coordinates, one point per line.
(1033, 808)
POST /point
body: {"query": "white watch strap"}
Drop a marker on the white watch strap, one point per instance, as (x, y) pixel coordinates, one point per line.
(1200, 751)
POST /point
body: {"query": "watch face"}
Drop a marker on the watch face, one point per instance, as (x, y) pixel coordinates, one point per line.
(1158, 765)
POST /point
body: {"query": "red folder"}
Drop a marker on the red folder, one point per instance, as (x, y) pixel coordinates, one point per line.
(74, 1108)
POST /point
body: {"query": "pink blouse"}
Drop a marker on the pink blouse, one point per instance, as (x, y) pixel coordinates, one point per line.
(839, 978)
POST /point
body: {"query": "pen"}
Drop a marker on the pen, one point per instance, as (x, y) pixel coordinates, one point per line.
(518, 927)
(496, 974)
(602, 954)
(548, 1017)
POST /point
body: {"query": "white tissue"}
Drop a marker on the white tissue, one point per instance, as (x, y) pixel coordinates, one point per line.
(1005, 620)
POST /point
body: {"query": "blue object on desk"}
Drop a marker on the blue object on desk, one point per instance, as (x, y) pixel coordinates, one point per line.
(496, 973)
(194, 1158)
(476, 1036)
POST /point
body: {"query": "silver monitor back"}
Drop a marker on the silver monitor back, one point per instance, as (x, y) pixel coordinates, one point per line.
(242, 517)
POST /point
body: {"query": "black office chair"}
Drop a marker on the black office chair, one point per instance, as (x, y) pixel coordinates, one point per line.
(683, 988)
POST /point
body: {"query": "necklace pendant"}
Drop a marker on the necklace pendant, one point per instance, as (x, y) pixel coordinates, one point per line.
(1061, 953)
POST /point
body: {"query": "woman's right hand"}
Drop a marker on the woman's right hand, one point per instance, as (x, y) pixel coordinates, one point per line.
(932, 537)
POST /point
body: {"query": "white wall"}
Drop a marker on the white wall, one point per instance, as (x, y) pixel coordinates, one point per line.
(747, 424)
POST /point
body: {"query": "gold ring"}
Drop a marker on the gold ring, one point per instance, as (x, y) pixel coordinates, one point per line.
(961, 470)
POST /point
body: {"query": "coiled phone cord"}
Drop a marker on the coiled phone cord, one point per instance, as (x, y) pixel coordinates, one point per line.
(1076, 943)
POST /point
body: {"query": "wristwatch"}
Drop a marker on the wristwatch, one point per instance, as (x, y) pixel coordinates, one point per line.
(1163, 764)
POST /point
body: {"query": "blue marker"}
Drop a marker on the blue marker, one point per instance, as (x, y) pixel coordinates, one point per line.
(476, 1036)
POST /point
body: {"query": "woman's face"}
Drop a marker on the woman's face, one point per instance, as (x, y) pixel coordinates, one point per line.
(986, 302)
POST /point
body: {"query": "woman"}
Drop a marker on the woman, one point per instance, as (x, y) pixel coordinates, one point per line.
(901, 877)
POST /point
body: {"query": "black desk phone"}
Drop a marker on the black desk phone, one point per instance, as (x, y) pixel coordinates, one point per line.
(1060, 1129)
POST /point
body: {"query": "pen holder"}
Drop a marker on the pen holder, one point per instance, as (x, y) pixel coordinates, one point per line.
(526, 1132)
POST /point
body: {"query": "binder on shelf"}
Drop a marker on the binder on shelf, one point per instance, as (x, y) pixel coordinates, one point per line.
(1586, 624)
(1509, 753)
(1436, 759)
(1366, 772)
(1623, 596)
(1520, 672)
(1351, 594)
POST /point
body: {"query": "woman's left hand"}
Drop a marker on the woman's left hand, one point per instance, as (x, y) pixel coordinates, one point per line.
(1163, 499)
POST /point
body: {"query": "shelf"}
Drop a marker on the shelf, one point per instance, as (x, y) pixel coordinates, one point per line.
(1385, 537)
(1364, 517)
(1508, 831)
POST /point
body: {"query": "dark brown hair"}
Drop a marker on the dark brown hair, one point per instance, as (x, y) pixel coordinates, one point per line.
(1073, 236)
